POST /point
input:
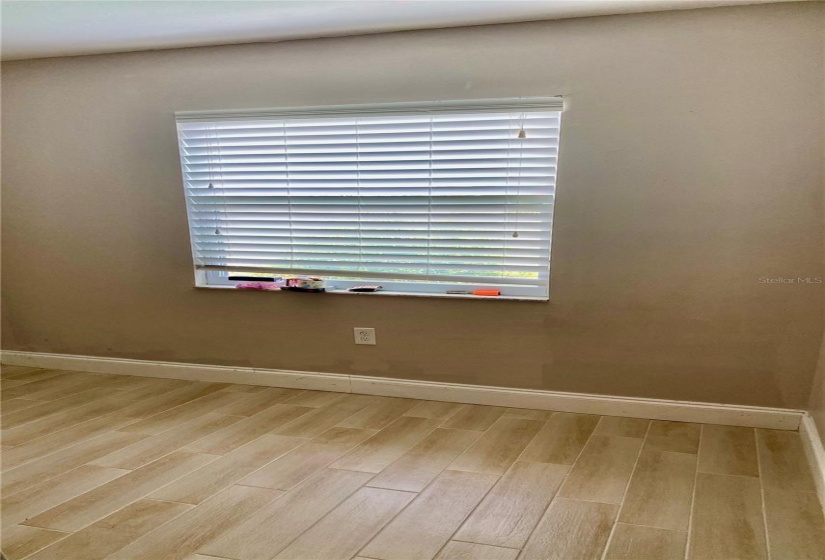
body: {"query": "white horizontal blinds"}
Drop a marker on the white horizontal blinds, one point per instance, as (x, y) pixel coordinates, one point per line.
(437, 195)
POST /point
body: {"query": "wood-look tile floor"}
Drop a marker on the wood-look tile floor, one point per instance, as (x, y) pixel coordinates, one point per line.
(103, 466)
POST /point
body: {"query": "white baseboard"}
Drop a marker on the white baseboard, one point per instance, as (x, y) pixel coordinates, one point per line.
(682, 411)
(816, 454)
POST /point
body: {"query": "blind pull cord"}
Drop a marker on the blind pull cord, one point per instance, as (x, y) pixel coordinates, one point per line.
(212, 146)
(430, 201)
(288, 198)
(358, 187)
(521, 135)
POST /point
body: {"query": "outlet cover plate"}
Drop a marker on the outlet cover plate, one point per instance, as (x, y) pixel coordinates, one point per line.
(364, 335)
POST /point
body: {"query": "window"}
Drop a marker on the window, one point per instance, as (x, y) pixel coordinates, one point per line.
(428, 197)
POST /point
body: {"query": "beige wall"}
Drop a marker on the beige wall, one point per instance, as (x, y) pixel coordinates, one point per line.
(690, 167)
(816, 404)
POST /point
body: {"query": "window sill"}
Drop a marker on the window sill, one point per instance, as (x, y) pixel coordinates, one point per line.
(384, 293)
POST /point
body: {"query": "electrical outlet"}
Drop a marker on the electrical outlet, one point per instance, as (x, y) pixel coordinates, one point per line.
(364, 335)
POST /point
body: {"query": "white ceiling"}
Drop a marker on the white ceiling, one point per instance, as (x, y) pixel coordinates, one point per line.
(46, 28)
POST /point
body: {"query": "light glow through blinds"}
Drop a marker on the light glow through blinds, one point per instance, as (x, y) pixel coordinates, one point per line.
(455, 192)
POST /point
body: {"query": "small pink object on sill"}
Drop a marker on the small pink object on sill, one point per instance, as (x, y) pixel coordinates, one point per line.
(257, 286)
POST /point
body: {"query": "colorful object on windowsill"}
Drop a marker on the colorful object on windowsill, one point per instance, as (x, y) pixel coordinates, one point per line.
(258, 286)
(256, 282)
(475, 292)
(304, 284)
